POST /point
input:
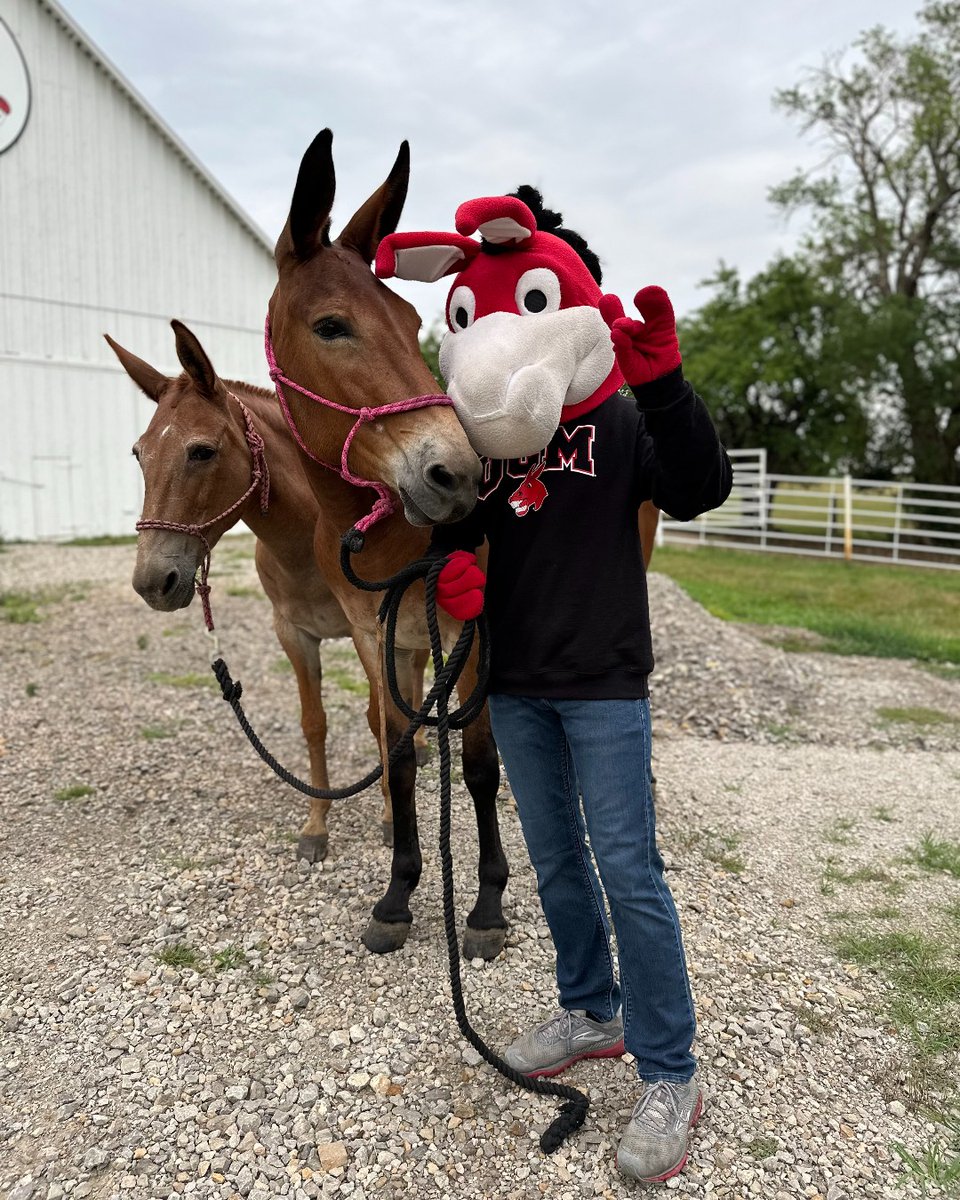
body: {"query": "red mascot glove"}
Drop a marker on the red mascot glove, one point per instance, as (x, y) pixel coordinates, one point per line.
(646, 350)
(460, 586)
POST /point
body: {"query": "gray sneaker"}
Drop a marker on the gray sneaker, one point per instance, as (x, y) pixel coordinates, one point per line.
(568, 1036)
(654, 1144)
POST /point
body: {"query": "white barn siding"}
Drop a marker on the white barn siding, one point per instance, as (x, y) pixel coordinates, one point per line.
(108, 226)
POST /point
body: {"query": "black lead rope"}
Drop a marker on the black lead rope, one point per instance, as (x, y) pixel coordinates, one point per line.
(574, 1111)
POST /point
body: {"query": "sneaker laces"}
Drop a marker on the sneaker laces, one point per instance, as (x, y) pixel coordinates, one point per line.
(658, 1108)
(557, 1027)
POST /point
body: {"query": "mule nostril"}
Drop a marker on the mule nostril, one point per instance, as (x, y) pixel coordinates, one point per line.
(171, 582)
(439, 477)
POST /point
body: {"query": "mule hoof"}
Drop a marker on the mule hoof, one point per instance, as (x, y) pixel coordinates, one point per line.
(483, 943)
(422, 752)
(383, 937)
(386, 828)
(312, 847)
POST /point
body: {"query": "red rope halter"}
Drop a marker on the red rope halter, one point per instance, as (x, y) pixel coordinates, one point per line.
(385, 503)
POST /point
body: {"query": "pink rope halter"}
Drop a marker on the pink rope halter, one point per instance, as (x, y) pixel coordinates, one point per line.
(260, 479)
(385, 503)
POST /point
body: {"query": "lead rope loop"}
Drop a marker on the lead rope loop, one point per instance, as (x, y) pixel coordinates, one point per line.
(446, 673)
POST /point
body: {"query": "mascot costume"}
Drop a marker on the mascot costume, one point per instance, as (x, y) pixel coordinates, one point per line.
(535, 360)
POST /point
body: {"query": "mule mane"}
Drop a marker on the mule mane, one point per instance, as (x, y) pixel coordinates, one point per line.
(239, 385)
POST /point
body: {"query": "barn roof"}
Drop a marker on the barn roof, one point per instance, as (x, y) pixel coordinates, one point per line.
(153, 118)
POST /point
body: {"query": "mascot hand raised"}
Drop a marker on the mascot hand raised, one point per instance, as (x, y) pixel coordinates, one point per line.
(646, 350)
(527, 345)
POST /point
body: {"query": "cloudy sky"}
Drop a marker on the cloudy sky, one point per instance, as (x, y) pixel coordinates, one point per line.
(649, 125)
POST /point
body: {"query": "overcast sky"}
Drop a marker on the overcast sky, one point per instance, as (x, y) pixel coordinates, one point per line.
(649, 125)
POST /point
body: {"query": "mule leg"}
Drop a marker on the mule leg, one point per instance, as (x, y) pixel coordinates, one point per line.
(420, 660)
(391, 919)
(304, 654)
(648, 517)
(373, 720)
(486, 925)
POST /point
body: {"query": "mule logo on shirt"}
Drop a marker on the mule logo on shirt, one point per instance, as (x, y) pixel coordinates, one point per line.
(531, 493)
(571, 451)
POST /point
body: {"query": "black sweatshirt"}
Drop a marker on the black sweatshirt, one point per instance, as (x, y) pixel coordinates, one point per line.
(566, 593)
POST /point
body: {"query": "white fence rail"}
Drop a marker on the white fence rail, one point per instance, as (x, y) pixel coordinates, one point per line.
(865, 520)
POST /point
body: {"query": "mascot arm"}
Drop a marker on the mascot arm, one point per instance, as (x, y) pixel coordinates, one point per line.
(682, 465)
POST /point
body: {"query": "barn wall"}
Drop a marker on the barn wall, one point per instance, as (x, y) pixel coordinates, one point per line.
(105, 228)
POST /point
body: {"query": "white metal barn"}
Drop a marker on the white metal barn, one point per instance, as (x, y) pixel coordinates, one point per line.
(107, 225)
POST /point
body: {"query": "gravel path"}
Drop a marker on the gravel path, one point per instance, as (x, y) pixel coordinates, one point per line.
(282, 1059)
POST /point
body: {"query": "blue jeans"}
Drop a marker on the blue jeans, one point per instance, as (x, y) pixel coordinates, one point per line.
(554, 751)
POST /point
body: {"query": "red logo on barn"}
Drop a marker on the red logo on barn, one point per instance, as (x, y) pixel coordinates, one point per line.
(531, 493)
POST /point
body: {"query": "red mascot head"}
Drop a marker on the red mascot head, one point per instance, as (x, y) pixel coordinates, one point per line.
(527, 346)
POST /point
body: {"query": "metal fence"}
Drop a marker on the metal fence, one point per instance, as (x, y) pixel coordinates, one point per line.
(865, 520)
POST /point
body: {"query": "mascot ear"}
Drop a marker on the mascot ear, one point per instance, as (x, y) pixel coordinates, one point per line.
(502, 219)
(426, 257)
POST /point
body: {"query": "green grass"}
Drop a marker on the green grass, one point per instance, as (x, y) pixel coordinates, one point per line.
(245, 593)
(142, 641)
(20, 608)
(32, 689)
(192, 680)
(76, 792)
(183, 862)
(937, 854)
(282, 666)
(924, 1000)
(886, 912)
(23, 608)
(229, 958)
(834, 874)
(858, 608)
(917, 715)
(714, 846)
(839, 831)
(883, 812)
(763, 1147)
(179, 954)
(104, 539)
(939, 1164)
(154, 733)
(345, 681)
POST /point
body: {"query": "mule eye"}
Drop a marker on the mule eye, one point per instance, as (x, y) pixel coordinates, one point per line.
(201, 453)
(330, 329)
(461, 308)
(538, 291)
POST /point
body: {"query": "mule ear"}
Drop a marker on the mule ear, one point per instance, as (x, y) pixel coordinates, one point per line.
(370, 224)
(148, 379)
(194, 360)
(309, 222)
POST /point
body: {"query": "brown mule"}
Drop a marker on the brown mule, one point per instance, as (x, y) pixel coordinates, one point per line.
(196, 464)
(339, 332)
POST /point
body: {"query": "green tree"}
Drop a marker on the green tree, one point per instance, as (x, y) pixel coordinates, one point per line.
(885, 207)
(430, 349)
(772, 357)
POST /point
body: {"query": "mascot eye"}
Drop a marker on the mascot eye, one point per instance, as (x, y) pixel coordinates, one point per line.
(461, 308)
(538, 291)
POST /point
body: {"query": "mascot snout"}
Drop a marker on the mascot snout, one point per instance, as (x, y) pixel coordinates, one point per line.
(510, 376)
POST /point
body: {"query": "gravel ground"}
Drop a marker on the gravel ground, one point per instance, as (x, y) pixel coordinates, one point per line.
(288, 1061)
